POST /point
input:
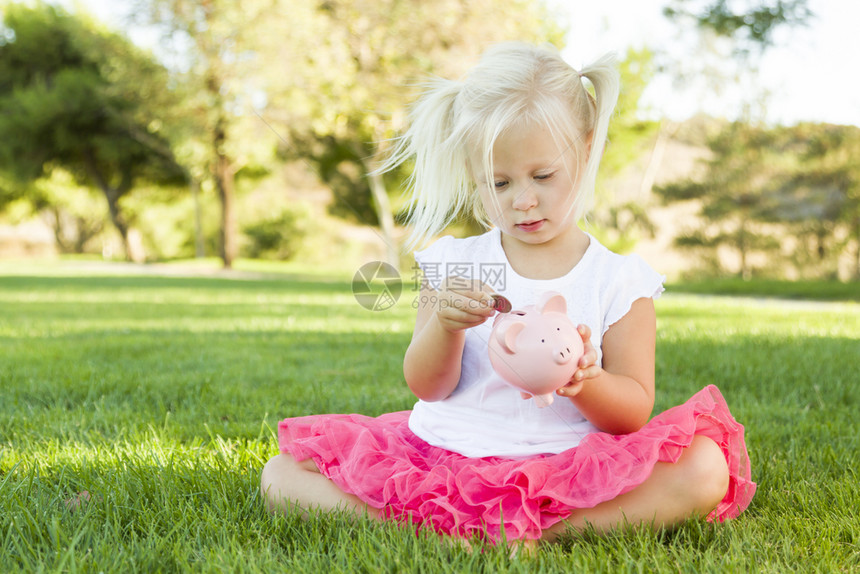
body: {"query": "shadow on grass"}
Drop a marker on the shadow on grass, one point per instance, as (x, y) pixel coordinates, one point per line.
(286, 283)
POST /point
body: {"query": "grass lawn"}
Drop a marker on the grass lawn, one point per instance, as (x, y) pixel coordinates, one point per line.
(818, 290)
(160, 397)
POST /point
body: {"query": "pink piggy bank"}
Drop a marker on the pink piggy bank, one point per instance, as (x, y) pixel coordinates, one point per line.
(536, 349)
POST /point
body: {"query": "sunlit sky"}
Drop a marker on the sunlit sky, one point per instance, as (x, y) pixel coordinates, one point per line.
(809, 75)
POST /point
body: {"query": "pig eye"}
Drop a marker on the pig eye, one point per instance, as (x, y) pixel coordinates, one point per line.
(520, 313)
(541, 340)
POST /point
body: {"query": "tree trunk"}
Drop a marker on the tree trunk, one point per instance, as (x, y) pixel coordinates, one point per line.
(386, 218)
(56, 223)
(656, 158)
(131, 242)
(857, 241)
(224, 171)
(224, 182)
(381, 203)
(199, 244)
(743, 247)
(131, 239)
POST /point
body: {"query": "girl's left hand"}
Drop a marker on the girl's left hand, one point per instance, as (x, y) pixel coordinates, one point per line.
(587, 368)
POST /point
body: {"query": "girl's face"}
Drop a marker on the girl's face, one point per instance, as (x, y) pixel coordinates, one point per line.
(531, 192)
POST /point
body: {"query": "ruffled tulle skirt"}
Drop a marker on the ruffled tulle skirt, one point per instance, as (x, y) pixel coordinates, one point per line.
(384, 464)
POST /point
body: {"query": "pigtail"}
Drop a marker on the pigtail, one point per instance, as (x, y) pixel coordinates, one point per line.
(439, 186)
(603, 76)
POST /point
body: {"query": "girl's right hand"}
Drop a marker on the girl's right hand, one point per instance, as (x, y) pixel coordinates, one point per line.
(434, 358)
(463, 303)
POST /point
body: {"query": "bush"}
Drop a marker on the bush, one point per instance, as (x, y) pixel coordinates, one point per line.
(278, 237)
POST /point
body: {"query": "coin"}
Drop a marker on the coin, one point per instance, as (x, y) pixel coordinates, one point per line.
(501, 304)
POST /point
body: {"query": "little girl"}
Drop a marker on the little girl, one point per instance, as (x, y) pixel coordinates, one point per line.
(518, 143)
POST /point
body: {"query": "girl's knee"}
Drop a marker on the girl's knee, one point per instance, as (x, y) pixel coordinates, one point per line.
(273, 465)
(275, 471)
(281, 476)
(277, 482)
(706, 472)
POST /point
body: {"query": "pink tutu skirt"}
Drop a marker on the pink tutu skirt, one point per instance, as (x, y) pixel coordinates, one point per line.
(384, 464)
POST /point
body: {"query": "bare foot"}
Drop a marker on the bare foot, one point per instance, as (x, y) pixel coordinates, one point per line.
(79, 500)
(524, 548)
(457, 542)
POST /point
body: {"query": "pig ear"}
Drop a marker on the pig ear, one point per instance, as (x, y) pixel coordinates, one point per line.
(551, 302)
(506, 335)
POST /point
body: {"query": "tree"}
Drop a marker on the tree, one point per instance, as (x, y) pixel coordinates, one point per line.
(729, 39)
(71, 210)
(819, 198)
(79, 97)
(225, 49)
(733, 195)
(732, 38)
(801, 182)
(750, 24)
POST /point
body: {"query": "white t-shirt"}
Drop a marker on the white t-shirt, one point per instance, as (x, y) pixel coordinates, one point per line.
(485, 416)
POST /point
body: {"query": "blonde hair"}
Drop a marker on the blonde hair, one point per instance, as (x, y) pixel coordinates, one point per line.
(514, 84)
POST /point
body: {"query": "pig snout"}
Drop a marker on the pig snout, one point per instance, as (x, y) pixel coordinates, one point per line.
(562, 354)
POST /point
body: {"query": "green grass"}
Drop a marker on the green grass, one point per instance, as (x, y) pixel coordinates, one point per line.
(160, 396)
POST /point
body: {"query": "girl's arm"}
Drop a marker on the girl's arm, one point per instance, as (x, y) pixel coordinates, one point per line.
(618, 398)
(432, 362)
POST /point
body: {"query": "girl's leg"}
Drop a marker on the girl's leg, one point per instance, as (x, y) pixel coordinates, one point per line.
(286, 484)
(692, 486)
